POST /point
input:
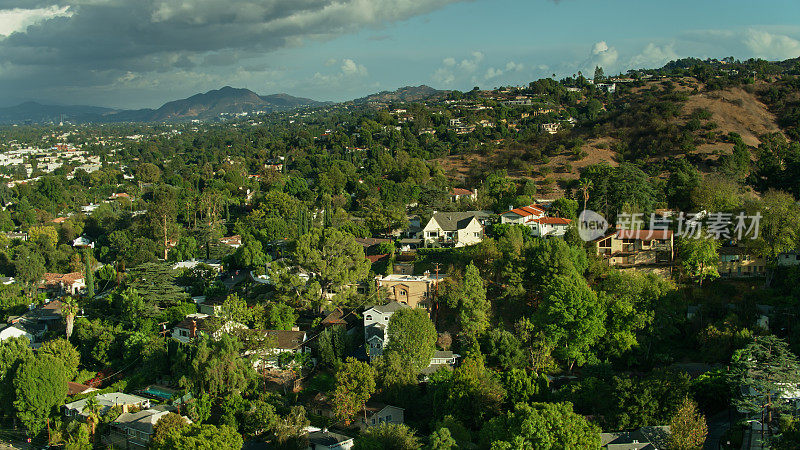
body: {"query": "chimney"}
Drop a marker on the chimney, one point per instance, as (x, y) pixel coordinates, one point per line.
(193, 329)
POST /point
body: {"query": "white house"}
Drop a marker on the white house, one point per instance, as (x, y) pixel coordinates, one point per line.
(454, 229)
(457, 194)
(198, 323)
(549, 226)
(83, 242)
(376, 324)
(14, 330)
(522, 215)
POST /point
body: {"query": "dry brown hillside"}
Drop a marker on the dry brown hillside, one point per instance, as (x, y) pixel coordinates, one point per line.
(733, 110)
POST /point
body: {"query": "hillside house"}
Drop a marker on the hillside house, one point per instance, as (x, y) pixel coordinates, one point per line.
(196, 324)
(523, 215)
(550, 128)
(376, 414)
(376, 325)
(458, 194)
(280, 342)
(106, 402)
(234, 241)
(134, 430)
(630, 248)
(440, 359)
(549, 226)
(82, 242)
(454, 229)
(414, 291)
(324, 440)
(738, 262)
(71, 283)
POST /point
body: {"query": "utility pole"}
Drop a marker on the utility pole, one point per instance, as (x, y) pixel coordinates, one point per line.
(436, 295)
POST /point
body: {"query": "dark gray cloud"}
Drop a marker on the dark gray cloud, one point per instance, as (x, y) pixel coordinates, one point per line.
(104, 40)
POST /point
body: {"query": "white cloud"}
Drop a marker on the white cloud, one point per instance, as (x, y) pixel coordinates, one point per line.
(654, 56)
(771, 46)
(471, 64)
(18, 20)
(511, 66)
(449, 62)
(444, 76)
(331, 61)
(351, 68)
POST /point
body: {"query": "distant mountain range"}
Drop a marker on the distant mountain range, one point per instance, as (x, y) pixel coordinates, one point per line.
(206, 106)
(209, 105)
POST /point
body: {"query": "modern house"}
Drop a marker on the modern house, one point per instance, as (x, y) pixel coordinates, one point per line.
(414, 291)
(15, 330)
(234, 241)
(454, 229)
(633, 248)
(439, 360)
(106, 402)
(376, 324)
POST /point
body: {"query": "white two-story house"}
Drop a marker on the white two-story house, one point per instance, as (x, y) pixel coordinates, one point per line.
(376, 325)
(454, 229)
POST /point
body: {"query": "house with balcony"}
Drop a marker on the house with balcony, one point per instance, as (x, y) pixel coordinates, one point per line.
(549, 226)
(454, 229)
(414, 291)
(523, 215)
(636, 248)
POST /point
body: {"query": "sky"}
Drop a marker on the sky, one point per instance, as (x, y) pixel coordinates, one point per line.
(143, 53)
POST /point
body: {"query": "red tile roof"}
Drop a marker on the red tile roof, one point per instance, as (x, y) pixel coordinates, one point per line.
(375, 258)
(66, 279)
(552, 221)
(460, 191)
(530, 210)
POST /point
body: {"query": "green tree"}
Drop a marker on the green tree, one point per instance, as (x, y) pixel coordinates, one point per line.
(687, 428)
(13, 352)
(291, 427)
(473, 306)
(762, 369)
(88, 274)
(40, 385)
(699, 257)
(572, 318)
(234, 309)
(333, 256)
(202, 437)
(397, 379)
(541, 426)
(62, 350)
(331, 346)
(167, 424)
(412, 335)
(30, 268)
(442, 440)
(69, 308)
(355, 383)
(388, 436)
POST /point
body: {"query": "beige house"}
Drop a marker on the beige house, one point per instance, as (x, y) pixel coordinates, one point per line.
(736, 262)
(376, 414)
(630, 248)
(410, 290)
(454, 229)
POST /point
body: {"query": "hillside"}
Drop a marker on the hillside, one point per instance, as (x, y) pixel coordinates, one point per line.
(723, 111)
(204, 106)
(404, 94)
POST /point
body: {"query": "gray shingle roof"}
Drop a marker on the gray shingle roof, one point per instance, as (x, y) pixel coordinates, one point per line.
(390, 307)
(452, 221)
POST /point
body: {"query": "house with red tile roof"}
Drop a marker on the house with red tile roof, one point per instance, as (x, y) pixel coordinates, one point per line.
(549, 226)
(457, 194)
(64, 283)
(523, 215)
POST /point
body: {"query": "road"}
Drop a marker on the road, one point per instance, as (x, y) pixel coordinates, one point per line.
(717, 426)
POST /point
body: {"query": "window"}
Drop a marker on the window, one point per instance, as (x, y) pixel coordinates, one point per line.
(403, 292)
(368, 317)
(388, 417)
(373, 421)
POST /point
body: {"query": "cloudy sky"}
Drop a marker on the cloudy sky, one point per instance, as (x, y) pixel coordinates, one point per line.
(141, 53)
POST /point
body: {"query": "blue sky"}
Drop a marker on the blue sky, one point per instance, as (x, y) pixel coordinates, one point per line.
(121, 54)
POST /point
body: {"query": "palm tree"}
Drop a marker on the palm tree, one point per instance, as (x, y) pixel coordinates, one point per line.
(92, 408)
(585, 185)
(69, 308)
